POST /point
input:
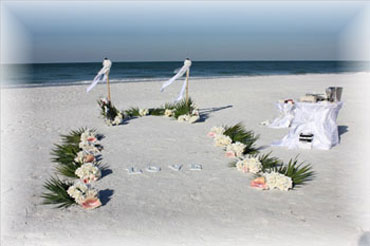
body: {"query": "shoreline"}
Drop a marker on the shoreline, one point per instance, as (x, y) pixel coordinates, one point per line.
(150, 80)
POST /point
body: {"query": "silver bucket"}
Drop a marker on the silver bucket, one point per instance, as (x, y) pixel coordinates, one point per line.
(338, 93)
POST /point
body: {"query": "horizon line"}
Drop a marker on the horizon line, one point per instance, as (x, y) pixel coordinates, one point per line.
(154, 61)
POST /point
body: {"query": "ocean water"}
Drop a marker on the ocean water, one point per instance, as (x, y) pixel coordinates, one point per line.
(80, 73)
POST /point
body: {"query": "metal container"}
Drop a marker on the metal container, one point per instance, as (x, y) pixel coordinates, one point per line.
(334, 94)
(338, 93)
(330, 94)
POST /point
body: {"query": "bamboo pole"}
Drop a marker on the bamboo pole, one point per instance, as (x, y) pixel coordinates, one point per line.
(108, 86)
(187, 86)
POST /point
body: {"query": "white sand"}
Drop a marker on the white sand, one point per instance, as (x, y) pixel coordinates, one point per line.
(214, 206)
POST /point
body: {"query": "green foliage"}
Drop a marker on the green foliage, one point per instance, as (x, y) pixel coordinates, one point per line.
(57, 193)
(266, 160)
(68, 169)
(64, 154)
(299, 173)
(183, 107)
(107, 110)
(133, 112)
(157, 111)
(74, 136)
(179, 108)
(269, 162)
(237, 133)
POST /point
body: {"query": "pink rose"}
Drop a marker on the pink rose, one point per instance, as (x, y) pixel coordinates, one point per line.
(230, 154)
(89, 158)
(211, 134)
(91, 203)
(91, 139)
(260, 183)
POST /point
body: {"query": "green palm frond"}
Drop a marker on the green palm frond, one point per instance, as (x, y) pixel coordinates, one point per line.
(266, 160)
(57, 193)
(156, 111)
(68, 169)
(102, 108)
(107, 110)
(74, 136)
(133, 112)
(269, 162)
(238, 133)
(299, 173)
(65, 153)
(183, 107)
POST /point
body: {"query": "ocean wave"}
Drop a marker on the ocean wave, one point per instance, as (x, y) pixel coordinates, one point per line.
(159, 79)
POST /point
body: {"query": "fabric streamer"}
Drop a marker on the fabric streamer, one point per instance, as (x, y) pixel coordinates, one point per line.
(102, 74)
(180, 73)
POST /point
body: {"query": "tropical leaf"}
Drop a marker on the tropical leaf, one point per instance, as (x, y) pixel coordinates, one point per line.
(64, 154)
(269, 162)
(74, 136)
(68, 169)
(133, 112)
(156, 111)
(183, 107)
(266, 160)
(299, 173)
(107, 110)
(237, 133)
(57, 193)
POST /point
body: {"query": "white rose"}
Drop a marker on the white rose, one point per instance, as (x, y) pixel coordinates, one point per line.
(271, 179)
(218, 130)
(143, 112)
(237, 148)
(222, 140)
(284, 183)
(254, 165)
(168, 112)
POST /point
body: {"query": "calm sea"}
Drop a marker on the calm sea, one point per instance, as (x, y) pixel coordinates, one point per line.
(80, 73)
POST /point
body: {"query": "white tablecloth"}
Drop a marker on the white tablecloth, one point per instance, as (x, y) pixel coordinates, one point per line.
(316, 118)
(286, 115)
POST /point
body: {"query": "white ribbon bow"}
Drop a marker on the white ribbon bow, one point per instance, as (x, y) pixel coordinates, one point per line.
(180, 73)
(102, 74)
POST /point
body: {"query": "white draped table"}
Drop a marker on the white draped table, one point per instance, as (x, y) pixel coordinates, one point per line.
(286, 115)
(318, 119)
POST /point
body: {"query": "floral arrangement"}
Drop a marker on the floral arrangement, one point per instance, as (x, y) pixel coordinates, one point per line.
(271, 172)
(249, 165)
(84, 195)
(183, 111)
(235, 140)
(78, 147)
(76, 158)
(112, 115)
(273, 180)
(65, 194)
(88, 173)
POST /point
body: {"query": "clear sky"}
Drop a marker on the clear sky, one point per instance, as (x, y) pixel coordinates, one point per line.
(70, 31)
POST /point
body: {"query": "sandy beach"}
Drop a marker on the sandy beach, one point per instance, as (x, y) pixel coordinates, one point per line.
(215, 206)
